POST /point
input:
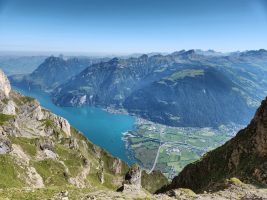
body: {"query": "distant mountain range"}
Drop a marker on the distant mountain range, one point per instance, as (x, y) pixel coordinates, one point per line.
(53, 72)
(20, 64)
(186, 88)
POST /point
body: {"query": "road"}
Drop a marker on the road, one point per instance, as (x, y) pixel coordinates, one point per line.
(156, 160)
(157, 156)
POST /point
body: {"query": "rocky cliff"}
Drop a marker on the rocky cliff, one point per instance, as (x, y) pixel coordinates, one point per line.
(243, 157)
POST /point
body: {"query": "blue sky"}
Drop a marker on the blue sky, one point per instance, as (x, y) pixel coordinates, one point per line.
(132, 26)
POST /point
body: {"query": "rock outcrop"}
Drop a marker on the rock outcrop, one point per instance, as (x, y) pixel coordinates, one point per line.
(133, 176)
(60, 123)
(5, 146)
(5, 87)
(9, 108)
(137, 179)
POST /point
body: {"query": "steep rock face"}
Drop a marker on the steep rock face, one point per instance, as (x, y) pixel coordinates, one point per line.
(4, 85)
(244, 156)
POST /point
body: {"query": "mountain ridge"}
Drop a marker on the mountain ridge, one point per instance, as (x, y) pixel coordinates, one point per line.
(115, 83)
(53, 72)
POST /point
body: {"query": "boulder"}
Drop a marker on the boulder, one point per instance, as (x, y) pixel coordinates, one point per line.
(46, 144)
(5, 146)
(60, 122)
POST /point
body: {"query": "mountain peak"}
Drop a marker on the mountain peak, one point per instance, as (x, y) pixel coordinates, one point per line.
(53, 59)
(189, 52)
(144, 57)
(184, 53)
(176, 53)
(114, 60)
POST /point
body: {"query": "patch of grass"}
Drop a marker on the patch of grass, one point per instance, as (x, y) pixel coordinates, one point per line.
(5, 118)
(76, 134)
(188, 192)
(235, 181)
(154, 181)
(48, 123)
(185, 73)
(93, 179)
(52, 172)
(71, 158)
(27, 144)
(26, 99)
(23, 100)
(109, 181)
(9, 173)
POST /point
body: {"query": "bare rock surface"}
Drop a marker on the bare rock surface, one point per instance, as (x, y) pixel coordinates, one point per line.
(9, 108)
(5, 146)
(5, 87)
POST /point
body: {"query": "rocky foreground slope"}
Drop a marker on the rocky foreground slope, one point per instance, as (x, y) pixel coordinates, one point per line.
(39, 149)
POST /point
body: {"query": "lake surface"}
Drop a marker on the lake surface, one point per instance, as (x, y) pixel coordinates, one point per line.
(102, 128)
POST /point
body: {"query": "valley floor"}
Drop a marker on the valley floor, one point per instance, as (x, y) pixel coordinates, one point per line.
(170, 149)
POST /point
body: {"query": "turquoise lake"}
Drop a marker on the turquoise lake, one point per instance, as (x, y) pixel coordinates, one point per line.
(102, 128)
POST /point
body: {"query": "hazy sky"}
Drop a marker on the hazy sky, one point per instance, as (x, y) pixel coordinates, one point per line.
(131, 26)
